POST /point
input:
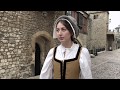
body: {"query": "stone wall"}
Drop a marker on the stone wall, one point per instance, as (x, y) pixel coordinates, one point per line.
(19, 31)
(98, 29)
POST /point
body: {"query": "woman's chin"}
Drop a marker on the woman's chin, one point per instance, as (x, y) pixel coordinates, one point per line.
(62, 41)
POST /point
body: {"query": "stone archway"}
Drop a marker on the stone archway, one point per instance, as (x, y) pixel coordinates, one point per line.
(44, 42)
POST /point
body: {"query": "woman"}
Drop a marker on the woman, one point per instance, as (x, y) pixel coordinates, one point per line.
(68, 60)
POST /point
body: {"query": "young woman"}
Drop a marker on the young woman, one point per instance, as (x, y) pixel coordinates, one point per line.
(69, 60)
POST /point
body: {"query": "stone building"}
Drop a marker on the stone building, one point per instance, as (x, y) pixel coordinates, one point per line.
(98, 30)
(25, 39)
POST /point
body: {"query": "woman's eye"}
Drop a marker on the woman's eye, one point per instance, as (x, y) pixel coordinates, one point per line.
(63, 29)
(57, 30)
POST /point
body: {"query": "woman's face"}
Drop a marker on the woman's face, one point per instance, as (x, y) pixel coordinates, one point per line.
(62, 32)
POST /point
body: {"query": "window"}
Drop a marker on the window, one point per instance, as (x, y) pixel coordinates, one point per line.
(82, 23)
(85, 25)
(80, 20)
(95, 16)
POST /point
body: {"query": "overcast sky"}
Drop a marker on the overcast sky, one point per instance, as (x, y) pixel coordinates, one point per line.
(115, 19)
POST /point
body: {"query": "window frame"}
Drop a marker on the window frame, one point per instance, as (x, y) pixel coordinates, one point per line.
(83, 24)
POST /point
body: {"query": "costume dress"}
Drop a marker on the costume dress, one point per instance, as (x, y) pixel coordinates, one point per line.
(76, 64)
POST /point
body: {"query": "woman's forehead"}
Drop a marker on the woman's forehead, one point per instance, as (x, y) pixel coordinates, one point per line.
(60, 24)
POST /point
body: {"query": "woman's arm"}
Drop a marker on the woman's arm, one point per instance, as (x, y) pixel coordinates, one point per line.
(85, 64)
(47, 69)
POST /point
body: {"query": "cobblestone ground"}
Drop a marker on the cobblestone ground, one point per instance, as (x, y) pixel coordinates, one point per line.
(106, 65)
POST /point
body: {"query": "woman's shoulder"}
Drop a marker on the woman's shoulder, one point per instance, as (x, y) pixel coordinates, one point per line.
(52, 49)
(84, 50)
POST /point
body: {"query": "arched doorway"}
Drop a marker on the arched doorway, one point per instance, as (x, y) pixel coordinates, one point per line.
(37, 59)
(41, 44)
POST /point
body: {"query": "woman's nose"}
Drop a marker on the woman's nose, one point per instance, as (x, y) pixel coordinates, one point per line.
(60, 32)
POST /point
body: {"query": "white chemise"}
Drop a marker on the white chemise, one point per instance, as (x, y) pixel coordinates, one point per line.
(85, 61)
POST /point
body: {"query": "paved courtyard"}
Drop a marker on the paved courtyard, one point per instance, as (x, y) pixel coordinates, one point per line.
(106, 65)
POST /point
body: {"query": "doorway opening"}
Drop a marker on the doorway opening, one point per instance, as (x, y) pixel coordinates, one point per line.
(37, 59)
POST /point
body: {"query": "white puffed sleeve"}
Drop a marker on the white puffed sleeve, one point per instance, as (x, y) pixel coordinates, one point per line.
(85, 64)
(47, 69)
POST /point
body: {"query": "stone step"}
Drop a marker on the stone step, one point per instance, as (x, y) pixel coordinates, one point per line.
(34, 77)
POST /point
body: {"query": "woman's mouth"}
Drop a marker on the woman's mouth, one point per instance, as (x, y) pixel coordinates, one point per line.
(61, 38)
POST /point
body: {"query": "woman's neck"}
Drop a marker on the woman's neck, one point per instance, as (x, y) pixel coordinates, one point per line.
(67, 44)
